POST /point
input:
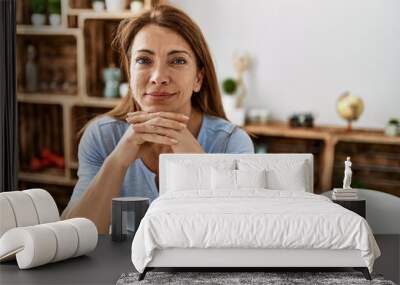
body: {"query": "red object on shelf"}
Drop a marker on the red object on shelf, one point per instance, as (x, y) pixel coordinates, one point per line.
(36, 163)
(39, 164)
(48, 159)
(55, 159)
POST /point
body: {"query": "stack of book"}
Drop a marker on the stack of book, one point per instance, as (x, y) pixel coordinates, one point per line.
(344, 194)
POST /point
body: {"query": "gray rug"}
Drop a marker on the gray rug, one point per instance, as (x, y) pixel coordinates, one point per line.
(230, 278)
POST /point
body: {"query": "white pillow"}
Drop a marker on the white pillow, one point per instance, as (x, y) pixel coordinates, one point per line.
(293, 179)
(223, 179)
(185, 175)
(237, 179)
(251, 178)
(286, 174)
(183, 178)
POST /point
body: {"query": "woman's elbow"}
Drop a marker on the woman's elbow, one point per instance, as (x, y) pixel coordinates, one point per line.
(66, 214)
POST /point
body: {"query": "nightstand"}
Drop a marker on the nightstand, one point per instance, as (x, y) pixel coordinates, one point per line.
(357, 206)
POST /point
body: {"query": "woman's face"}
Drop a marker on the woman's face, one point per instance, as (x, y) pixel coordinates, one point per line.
(163, 71)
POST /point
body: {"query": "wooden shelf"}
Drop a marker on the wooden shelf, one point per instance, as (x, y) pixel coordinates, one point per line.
(375, 156)
(74, 164)
(56, 63)
(46, 30)
(281, 129)
(46, 178)
(89, 14)
(372, 137)
(74, 53)
(323, 132)
(99, 102)
(77, 11)
(41, 98)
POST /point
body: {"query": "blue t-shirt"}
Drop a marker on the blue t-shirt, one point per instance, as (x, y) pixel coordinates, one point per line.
(103, 134)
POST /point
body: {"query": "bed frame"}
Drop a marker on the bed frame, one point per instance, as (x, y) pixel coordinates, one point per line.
(246, 259)
(242, 259)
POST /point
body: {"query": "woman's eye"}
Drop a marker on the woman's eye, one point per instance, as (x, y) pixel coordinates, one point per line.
(179, 61)
(143, 60)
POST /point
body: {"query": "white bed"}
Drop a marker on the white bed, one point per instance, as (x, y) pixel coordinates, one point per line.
(201, 219)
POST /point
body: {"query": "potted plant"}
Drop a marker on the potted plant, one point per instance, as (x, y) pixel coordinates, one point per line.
(38, 17)
(54, 8)
(234, 113)
(392, 127)
(98, 5)
(229, 88)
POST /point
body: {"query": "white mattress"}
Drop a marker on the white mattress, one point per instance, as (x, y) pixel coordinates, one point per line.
(253, 218)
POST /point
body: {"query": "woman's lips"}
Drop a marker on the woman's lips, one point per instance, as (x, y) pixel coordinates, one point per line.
(159, 96)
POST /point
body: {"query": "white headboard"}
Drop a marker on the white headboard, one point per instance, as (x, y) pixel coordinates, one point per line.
(164, 158)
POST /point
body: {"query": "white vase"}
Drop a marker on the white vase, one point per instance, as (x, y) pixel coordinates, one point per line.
(98, 6)
(258, 115)
(38, 19)
(229, 102)
(115, 5)
(55, 19)
(136, 6)
(392, 130)
(236, 116)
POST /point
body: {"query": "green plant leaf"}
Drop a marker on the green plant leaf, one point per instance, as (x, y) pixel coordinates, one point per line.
(394, 121)
(229, 86)
(38, 6)
(54, 6)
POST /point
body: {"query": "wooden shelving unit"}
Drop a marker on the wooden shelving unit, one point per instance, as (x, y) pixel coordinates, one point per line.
(78, 33)
(375, 156)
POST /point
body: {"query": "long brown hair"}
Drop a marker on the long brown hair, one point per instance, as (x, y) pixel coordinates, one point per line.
(208, 99)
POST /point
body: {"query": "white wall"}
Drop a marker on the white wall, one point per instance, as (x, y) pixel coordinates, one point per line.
(308, 52)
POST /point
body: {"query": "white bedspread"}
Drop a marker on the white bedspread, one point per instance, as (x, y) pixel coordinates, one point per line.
(250, 218)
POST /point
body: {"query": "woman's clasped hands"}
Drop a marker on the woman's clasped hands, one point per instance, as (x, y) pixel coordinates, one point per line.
(166, 128)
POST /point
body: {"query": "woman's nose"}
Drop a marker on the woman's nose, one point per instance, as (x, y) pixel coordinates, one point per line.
(160, 76)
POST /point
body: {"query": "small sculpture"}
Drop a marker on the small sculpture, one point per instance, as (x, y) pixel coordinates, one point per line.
(347, 174)
(241, 63)
(112, 78)
(31, 70)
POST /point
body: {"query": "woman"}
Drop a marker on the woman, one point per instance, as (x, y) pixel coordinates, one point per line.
(174, 106)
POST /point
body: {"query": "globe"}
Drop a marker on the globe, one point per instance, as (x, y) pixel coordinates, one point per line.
(349, 107)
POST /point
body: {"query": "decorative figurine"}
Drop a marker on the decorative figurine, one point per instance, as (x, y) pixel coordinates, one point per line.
(112, 78)
(241, 63)
(346, 193)
(347, 174)
(31, 70)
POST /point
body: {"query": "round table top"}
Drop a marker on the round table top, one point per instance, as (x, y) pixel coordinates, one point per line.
(130, 199)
